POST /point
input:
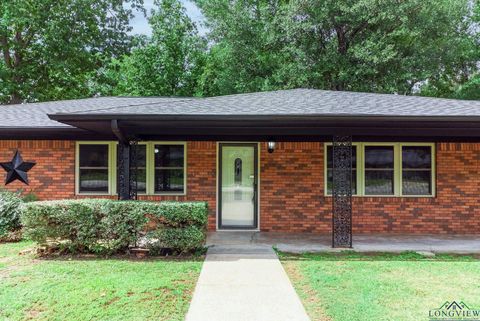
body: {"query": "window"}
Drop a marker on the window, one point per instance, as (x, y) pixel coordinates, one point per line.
(416, 170)
(141, 168)
(330, 169)
(379, 170)
(93, 171)
(160, 168)
(388, 169)
(169, 168)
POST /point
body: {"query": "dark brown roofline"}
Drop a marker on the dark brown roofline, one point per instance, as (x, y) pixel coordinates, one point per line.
(280, 127)
(57, 133)
(67, 118)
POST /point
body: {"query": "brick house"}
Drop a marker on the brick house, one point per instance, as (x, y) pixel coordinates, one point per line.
(286, 161)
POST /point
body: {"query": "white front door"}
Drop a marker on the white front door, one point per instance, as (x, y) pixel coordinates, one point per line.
(238, 186)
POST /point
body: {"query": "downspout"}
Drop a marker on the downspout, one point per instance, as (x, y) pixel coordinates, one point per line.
(118, 132)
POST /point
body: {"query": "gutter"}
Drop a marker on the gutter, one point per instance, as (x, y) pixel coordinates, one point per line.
(263, 117)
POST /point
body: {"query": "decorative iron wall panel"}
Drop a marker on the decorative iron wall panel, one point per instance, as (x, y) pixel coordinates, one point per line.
(342, 192)
(133, 170)
(127, 170)
(123, 176)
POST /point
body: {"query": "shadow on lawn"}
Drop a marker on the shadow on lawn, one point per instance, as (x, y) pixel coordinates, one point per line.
(193, 257)
(356, 256)
(130, 258)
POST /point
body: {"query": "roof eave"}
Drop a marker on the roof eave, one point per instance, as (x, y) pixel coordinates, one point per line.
(261, 127)
(39, 133)
(67, 118)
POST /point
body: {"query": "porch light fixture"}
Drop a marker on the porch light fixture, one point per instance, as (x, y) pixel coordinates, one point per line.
(271, 147)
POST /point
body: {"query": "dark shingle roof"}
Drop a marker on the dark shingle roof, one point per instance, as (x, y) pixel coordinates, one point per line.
(35, 115)
(282, 102)
(303, 102)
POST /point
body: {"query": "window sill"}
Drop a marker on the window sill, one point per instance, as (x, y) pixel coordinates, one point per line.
(167, 194)
(159, 194)
(93, 194)
(139, 194)
(389, 196)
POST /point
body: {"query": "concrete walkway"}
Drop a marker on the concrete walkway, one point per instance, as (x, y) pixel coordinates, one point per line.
(298, 243)
(242, 278)
(244, 283)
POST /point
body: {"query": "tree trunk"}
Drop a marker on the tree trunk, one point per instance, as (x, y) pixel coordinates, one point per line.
(13, 64)
(342, 40)
(342, 51)
(15, 98)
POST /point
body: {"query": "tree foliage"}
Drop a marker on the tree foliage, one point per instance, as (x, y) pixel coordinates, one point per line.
(366, 45)
(48, 47)
(462, 79)
(59, 49)
(169, 64)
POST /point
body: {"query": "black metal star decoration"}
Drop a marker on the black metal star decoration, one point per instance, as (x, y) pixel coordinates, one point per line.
(17, 169)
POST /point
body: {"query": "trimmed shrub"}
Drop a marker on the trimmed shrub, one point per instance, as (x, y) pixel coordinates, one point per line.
(176, 214)
(10, 210)
(185, 239)
(30, 197)
(108, 226)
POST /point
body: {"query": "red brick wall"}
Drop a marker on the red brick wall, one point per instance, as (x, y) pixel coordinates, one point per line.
(454, 210)
(291, 188)
(53, 177)
(292, 192)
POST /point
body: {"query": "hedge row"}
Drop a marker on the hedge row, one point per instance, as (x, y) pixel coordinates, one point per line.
(10, 211)
(108, 226)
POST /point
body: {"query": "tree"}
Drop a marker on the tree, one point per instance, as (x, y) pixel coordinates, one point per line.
(470, 89)
(170, 64)
(48, 47)
(463, 80)
(366, 45)
(244, 55)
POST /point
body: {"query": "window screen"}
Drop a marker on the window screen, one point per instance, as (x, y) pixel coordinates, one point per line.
(416, 170)
(379, 170)
(93, 168)
(169, 168)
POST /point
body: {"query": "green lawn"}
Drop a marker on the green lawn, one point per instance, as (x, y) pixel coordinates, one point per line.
(93, 289)
(356, 287)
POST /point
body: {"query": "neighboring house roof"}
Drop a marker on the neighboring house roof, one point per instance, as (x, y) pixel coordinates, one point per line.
(297, 102)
